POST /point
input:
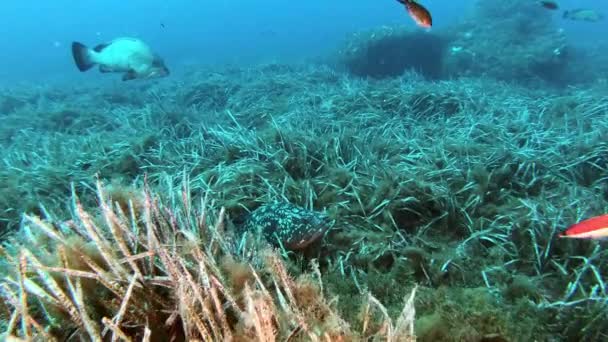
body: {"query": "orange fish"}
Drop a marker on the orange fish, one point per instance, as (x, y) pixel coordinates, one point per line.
(593, 228)
(421, 15)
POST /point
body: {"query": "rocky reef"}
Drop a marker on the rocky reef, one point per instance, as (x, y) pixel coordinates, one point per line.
(514, 41)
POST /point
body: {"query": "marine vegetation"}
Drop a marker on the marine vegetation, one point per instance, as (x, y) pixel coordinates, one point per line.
(166, 270)
(456, 188)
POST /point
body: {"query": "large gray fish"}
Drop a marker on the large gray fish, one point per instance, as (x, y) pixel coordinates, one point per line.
(130, 56)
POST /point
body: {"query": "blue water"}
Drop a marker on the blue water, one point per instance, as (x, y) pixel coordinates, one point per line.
(36, 35)
(45, 135)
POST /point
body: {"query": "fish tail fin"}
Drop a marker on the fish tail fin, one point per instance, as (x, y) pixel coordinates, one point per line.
(82, 56)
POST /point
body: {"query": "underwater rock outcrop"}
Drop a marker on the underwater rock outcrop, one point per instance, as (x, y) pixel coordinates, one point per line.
(513, 41)
(390, 51)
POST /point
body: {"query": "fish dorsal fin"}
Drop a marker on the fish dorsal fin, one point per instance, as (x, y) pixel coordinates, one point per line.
(100, 47)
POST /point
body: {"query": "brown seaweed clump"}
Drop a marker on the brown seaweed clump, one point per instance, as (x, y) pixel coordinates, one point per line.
(167, 273)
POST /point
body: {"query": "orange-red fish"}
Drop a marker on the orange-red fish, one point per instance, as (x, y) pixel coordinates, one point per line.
(421, 15)
(593, 228)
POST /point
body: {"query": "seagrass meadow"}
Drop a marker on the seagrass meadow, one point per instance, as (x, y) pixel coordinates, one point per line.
(123, 207)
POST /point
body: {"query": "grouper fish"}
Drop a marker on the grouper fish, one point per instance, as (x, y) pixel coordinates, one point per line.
(130, 56)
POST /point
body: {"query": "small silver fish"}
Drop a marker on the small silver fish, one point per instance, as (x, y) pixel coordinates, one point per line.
(582, 14)
(130, 56)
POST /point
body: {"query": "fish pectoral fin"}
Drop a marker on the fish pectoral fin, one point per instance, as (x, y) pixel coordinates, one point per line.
(129, 75)
(100, 47)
